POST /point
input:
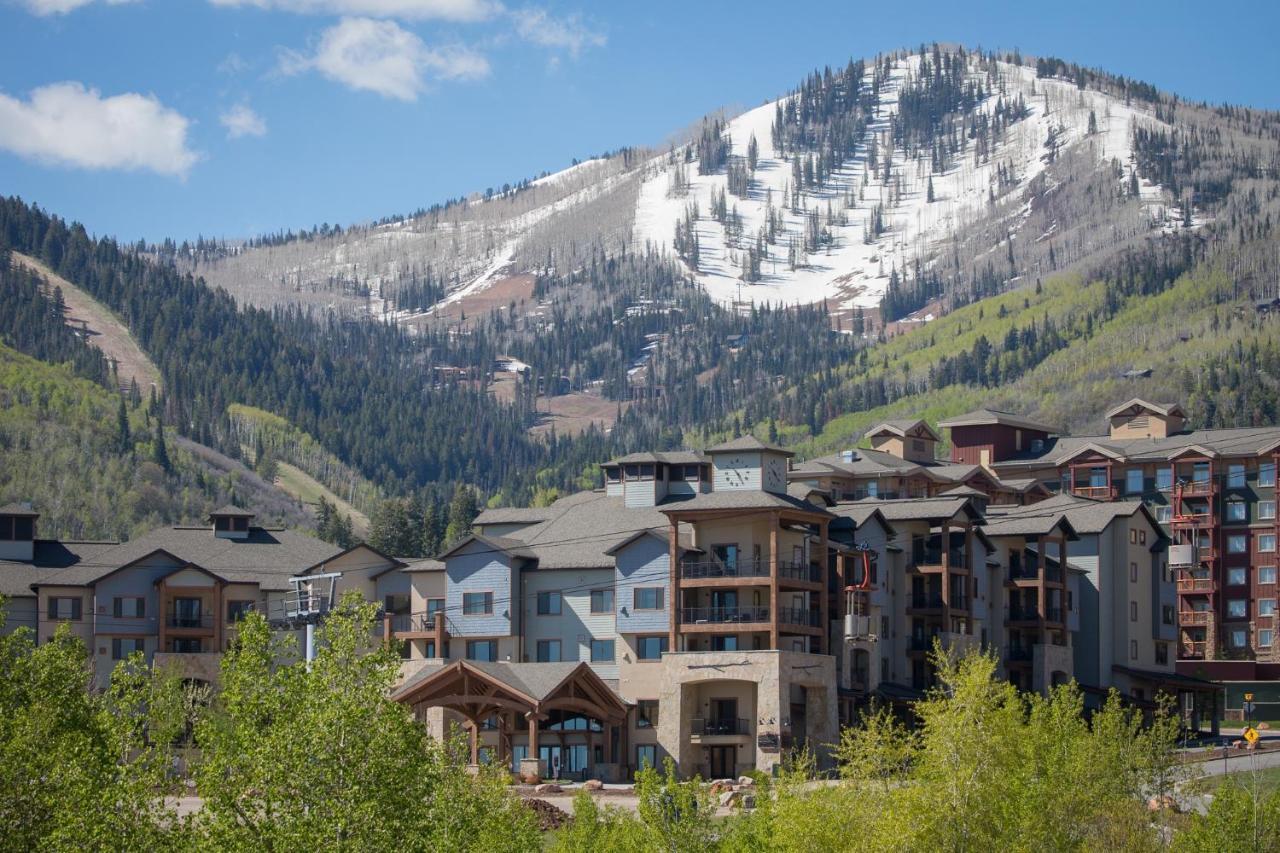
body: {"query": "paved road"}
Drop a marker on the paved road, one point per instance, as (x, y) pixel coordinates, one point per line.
(1240, 763)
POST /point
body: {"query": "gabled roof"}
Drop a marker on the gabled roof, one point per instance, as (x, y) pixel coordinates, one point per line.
(866, 463)
(231, 510)
(745, 499)
(1138, 404)
(914, 509)
(1095, 447)
(393, 563)
(1030, 524)
(514, 515)
(18, 510)
(1086, 516)
(539, 686)
(497, 544)
(748, 443)
(640, 534)
(963, 491)
(804, 492)
(995, 417)
(1194, 450)
(424, 565)
(674, 457)
(861, 514)
(903, 427)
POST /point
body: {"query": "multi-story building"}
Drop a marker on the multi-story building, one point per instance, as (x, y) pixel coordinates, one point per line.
(1212, 490)
(717, 607)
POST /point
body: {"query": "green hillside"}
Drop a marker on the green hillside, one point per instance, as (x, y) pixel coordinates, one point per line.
(65, 452)
(1205, 346)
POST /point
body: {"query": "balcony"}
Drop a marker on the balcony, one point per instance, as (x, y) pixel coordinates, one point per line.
(925, 602)
(698, 569)
(1100, 493)
(1192, 519)
(1024, 614)
(1053, 614)
(701, 727)
(1195, 617)
(805, 572)
(1192, 650)
(799, 616)
(723, 615)
(1195, 488)
(187, 621)
(921, 644)
(927, 557)
(1020, 654)
(1196, 585)
(413, 623)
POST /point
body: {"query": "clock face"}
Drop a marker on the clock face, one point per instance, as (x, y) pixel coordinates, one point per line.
(775, 475)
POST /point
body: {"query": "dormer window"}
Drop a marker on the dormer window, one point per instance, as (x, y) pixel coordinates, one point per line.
(17, 528)
(613, 475)
(225, 524)
(231, 522)
(17, 533)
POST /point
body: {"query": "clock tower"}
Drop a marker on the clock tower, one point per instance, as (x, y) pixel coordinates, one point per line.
(748, 464)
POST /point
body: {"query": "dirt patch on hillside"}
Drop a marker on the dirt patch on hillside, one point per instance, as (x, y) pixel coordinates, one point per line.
(572, 414)
(101, 328)
(499, 295)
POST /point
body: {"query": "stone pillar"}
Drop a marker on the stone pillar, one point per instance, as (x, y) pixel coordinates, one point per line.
(774, 523)
(531, 770)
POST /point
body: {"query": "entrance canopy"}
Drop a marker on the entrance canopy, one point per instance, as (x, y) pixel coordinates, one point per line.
(478, 690)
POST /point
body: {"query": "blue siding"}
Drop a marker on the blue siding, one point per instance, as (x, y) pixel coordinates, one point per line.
(478, 569)
(645, 562)
(136, 582)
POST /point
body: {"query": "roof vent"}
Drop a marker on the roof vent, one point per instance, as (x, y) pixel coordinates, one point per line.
(848, 455)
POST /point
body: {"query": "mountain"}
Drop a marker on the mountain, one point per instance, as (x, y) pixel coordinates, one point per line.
(908, 233)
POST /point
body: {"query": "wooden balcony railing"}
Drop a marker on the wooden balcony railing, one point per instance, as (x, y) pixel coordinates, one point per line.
(1105, 493)
(1195, 617)
(1196, 585)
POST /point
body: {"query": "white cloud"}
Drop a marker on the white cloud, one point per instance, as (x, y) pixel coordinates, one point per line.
(570, 34)
(448, 10)
(380, 56)
(69, 125)
(62, 7)
(241, 120)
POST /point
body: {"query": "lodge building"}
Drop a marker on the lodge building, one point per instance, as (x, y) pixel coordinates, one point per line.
(721, 607)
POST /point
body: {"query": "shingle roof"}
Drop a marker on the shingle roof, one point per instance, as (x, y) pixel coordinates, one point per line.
(747, 442)
(1030, 524)
(515, 515)
(993, 417)
(426, 565)
(18, 509)
(1086, 516)
(1245, 441)
(1165, 409)
(232, 510)
(913, 509)
(673, 457)
(742, 499)
(963, 491)
(868, 463)
(266, 557)
(901, 427)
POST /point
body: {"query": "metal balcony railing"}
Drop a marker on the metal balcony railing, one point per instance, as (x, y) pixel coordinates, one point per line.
(723, 615)
(1053, 614)
(799, 616)
(695, 569)
(1024, 614)
(1018, 653)
(191, 620)
(730, 726)
(925, 602)
(920, 644)
(800, 572)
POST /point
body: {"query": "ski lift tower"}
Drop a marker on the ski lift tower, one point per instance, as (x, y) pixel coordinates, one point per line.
(309, 601)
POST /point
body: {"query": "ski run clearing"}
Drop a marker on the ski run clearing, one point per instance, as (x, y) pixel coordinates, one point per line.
(851, 272)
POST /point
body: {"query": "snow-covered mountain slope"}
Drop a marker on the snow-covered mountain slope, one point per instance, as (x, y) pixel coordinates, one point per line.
(854, 269)
(1034, 183)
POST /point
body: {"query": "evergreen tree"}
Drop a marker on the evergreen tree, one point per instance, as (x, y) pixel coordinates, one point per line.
(159, 451)
(462, 511)
(122, 428)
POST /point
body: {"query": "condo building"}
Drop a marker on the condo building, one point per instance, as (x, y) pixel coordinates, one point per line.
(721, 607)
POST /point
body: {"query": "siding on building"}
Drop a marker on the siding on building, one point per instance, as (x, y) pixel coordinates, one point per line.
(644, 562)
(576, 626)
(478, 568)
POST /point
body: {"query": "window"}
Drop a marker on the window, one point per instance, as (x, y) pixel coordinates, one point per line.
(548, 604)
(64, 608)
(477, 603)
(237, 610)
(482, 650)
(548, 651)
(397, 604)
(1166, 614)
(1237, 511)
(601, 601)
(1133, 573)
(129, 608)
(1162, 654)
(1266, 574)
(16, 529)
(1265, 637)
(1235, 476)
(721, 643)
(649, 597)
(1237, 544)
(1237, 576)
(647, 714)
(1133, 650)
(1267, 474)
(1133, 481)
(434, 606)
(186, 645)
(873, 489)
(692, 473)
(602, 651)
(613, 475)
(1133, 611)
(1266, 607)
(1239, 639)
(646, 755)
(1164, 514)
(650, 648)
(187, 613)
(1142, 537)
(122, 647)
(1267, 509)
(1238, 608)
(1267, 543)
(1133, 536)
(1164, 479)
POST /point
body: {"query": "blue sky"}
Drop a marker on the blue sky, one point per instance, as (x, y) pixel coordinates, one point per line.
(155, 118)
